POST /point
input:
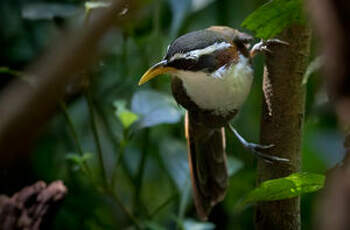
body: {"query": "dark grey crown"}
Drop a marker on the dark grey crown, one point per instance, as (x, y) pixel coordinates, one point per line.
(193, 41)
(200, 40)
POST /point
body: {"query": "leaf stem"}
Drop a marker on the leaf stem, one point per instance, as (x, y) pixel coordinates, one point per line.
(163, 205)
(74, 134)
(113, 139)
(185, 196)
(107, 188)
(117, 200)
(141, 170)
(90, 104)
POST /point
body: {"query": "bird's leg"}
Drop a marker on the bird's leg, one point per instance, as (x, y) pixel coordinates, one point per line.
(263, 46)
(254, 148)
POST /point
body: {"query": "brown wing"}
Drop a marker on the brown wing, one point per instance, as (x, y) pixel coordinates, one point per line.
(207, 161)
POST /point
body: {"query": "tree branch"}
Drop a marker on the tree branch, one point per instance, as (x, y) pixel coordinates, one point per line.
(282, 123)
(25, 108)
(33, 207)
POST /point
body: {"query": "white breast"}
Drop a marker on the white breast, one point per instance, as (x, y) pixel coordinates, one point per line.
(222, 91)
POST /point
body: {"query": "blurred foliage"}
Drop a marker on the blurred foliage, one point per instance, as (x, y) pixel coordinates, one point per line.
(271, 18)
(140, 131)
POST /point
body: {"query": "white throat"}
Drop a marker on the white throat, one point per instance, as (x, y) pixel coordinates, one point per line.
(222, 91)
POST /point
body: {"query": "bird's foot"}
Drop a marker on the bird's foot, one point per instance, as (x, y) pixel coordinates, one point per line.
(256, 149)
(263, 46)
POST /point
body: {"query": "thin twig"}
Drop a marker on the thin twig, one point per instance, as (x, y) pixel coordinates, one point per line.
(163, 205)
(117, 200)
(112, 193)
(74, 135)
(122, 146)
(183, 203)
(90, 103)
(141, 169)
(71, 127)
(113, 139)
(120, 159)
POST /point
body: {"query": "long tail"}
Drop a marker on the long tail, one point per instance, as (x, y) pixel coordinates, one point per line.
(207, 161)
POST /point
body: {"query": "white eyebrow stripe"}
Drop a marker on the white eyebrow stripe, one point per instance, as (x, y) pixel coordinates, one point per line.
(195, 54)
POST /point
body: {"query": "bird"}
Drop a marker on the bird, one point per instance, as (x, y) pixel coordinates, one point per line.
(211, 77)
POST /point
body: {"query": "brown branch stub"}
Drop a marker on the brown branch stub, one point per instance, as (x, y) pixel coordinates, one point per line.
(282, 123)
(33, 207)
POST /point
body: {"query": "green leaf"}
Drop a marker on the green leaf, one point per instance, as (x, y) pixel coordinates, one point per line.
(274, 16)
(77, 159)
(173, 154)
(155, 108)
(190, 224)
(179, 9)
(285, 188)
(126, 117)
(6, 70)
(198, 5)
(152, 225)
(48, 11)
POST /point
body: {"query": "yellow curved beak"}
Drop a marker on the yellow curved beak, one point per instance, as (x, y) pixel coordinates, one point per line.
(157, 69)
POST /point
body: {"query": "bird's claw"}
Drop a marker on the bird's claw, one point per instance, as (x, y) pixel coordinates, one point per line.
(254, 148)
(258, 146)
(263, 46)
(275, 41)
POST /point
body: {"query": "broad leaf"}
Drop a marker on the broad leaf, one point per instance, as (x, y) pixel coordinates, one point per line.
(286, 187)
(154, 108)
(274, 16)
(47, 11)
(152, 225)
(126, 117)
(173, 153)
(198, 5)
(179, 9)
(190, 224)
(78, 160)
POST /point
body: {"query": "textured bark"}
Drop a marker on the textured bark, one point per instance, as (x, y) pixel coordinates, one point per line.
(282, 123)
(31, 208)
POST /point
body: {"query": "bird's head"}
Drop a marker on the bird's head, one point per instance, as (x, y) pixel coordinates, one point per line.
(204, 50)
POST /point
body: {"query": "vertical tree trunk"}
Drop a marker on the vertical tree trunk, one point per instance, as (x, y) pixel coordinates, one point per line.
(282, 123)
